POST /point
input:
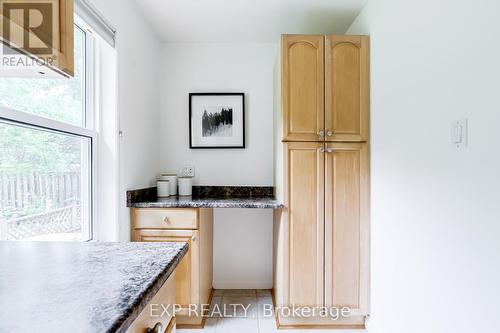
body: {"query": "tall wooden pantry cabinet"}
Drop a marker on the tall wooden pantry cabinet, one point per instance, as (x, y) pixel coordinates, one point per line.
(321, 238)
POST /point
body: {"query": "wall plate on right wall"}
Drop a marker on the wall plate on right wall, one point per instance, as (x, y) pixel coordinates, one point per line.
(459, 133)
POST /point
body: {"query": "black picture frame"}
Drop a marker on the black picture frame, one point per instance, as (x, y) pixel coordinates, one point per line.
(192, 95)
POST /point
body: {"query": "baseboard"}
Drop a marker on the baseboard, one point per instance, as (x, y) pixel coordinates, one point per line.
(357, 323)
(239, 284)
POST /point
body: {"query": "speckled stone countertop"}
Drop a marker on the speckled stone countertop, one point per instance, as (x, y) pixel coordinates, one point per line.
(193, 202)
(80, 287)
(208, 197)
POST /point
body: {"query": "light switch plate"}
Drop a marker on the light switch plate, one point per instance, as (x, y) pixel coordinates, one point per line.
(188, 171)
(459, 133)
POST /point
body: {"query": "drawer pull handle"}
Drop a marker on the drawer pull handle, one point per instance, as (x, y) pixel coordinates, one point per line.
(158, 328)
(166, 220)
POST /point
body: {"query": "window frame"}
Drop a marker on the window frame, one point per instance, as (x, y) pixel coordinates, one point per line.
(86, 130)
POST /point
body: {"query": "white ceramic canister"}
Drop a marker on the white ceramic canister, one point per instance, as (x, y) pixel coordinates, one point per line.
(172, 178)
(163, 187)
(185, 186)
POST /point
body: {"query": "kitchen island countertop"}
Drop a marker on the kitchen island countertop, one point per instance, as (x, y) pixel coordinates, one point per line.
(80, 287)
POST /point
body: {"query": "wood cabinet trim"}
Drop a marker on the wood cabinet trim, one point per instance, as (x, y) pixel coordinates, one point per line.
(171, 326)
(62, 56)
(67, 36)
(348, 39)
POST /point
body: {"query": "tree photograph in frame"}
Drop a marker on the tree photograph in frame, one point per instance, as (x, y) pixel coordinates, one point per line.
(216, 120)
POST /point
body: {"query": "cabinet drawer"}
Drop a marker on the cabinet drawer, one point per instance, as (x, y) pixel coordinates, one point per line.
(155, 218)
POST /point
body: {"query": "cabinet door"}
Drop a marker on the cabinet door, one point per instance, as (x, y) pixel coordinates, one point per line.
(187, 273)
(306, 223)
(347, 88)
(302, 87)
(146, 320)
(346, 226)
(51, 42)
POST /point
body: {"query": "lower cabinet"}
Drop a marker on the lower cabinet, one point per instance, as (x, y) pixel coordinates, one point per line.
(187, 272)
(152, 318)
(194, 274)
(306, 232)
(321, 238)
(346, 227)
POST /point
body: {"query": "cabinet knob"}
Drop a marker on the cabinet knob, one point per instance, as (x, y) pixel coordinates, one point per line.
(166, 220)
(193, 238)
(321, 134)
(329, 133)
(322, 150)
(158, 328)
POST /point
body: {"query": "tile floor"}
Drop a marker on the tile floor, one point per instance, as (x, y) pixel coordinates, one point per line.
(256, 321)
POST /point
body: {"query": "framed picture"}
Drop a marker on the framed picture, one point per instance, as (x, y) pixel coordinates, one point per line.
(216, 120)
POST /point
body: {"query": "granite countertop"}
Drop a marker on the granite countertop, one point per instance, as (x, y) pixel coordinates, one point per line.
(208, 197)
(193, 202)
(80, 287)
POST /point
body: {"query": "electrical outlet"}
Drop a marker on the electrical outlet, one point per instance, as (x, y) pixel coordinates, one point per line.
(188, 171)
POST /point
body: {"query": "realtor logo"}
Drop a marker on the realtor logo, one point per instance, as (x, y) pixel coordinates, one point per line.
(28, 26)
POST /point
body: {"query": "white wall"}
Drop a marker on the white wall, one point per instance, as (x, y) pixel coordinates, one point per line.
(216, 67)
(435, 210)
(219, 67)
(243, 254)
(138, 50)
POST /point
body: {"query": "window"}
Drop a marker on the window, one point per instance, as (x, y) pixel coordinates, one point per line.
(47, 143)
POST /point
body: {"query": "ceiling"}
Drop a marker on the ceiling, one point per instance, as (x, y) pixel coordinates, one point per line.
(248, 21)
